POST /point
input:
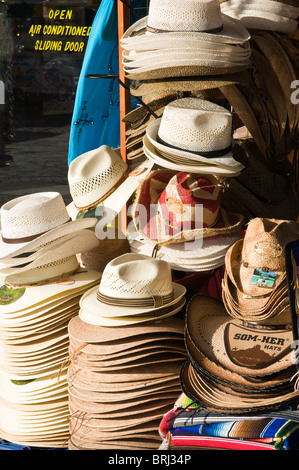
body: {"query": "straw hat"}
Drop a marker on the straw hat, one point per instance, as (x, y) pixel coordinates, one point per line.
(237, 361)
(268, 15)
(133, 288)
(52, 261)
(25, 218)
(94, 175)
(261, 249)
(169, 193)
(203, 21)
(194, 134)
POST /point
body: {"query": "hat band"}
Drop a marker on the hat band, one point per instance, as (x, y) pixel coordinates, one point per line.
(265, 269)
(26, 239)
(212, 154)
(154, 301)
(150, 29)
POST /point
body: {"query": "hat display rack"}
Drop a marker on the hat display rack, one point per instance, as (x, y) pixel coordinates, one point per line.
(173, 328)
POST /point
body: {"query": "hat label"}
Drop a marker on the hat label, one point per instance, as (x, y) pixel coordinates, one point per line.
(262, 278)
(256, 347)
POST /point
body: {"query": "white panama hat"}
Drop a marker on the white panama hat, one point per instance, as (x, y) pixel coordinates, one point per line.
(133, 285)
(25, 218)
(193, 135)
(266, 15)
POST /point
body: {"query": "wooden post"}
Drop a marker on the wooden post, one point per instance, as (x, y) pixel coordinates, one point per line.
(123, 14)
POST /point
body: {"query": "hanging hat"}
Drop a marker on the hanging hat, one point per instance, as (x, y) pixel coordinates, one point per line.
(25, 218)
(195, 135)
(268, 15)
(188, 207)
(100, 184)
(132, 288)
(94, 175)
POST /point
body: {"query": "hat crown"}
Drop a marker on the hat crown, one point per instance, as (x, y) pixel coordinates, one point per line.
(93, 174)
(191, 15)
(133, 276)
(264, 242)
(184, 194)
(196, 125)
(32, 215)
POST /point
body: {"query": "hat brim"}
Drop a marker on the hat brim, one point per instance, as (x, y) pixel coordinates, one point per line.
(136, 36)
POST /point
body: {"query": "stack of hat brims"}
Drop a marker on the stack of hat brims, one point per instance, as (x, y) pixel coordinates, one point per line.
(207, 43)
(244, 361)
(38, 297)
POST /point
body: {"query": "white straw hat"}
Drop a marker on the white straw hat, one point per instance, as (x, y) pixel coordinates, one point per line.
(25, 218)
(131, 285)
(266, 15)
(193, 133)
(94, 175)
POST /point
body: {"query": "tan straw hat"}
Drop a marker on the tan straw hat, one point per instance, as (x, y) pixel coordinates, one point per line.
(25, 218)
(256, 264)
(132, 288)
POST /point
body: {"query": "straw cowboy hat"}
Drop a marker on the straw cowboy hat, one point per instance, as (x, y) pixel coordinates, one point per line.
(268, 15)
(178, 200)
(262, 249)
(132, 286)
(193, 135)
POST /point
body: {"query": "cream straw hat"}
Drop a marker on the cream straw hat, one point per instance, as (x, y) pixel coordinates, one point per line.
(267, 15)
(202, 21)
(94, 175)
(193, 133)
(25, 218)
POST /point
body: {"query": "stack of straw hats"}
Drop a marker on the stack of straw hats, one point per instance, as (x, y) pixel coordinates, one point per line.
(195, 39)
(126, 351)
(41, 284)
(241, 357)
(271, 15)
